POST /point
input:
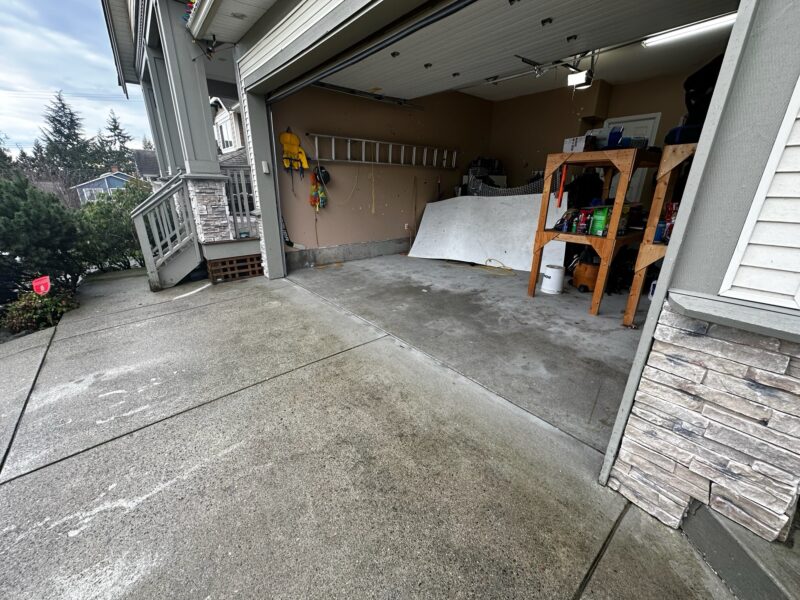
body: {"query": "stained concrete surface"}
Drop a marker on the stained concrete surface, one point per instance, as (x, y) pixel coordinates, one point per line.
(25, 342)
(115, 299)
(104, 383)
(646, 560)
(376, 473)
(358, 467)
(16, 379)
(546, 354)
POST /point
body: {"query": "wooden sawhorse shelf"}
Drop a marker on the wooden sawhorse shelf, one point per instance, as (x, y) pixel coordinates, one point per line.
(651, 251)
(625, 162)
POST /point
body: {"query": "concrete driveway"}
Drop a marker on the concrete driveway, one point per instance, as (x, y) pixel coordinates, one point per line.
(252, 440)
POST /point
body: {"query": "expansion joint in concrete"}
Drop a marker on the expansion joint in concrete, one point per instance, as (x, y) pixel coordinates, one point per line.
(166, 418)
(606, 543)
(7, 450)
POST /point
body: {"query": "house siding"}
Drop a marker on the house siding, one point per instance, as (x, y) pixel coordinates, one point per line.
(306, 15)
(766, 263)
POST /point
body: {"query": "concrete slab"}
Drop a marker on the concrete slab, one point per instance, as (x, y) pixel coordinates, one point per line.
(17, 372)
(25, 342)
(96, 386)
(781, 562)
(647, 560)
(375, 473)
(103, 306)
(546, 354)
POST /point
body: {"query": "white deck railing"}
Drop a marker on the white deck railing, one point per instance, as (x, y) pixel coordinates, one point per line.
(239, 189)
(165, 226)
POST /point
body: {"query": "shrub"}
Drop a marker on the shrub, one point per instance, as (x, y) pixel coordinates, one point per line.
(38, 230)
(108, 239)
(31, 312)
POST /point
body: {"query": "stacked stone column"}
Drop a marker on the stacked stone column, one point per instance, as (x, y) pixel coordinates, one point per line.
(211, 211)
(716, 419)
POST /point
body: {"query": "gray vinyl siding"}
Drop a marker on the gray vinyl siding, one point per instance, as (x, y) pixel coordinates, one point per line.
(766, 263)
(749, 126)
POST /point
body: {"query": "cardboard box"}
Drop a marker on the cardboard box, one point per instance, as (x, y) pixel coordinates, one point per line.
(582, 143)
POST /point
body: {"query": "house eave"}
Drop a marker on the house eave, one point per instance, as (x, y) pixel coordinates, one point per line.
(201, 16)
(122, 44)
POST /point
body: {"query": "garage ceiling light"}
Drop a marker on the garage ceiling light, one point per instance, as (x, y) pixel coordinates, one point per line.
(580, 80)
(689, 30)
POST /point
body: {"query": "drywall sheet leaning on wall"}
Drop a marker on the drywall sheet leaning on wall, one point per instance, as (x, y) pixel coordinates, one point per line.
(478, 229)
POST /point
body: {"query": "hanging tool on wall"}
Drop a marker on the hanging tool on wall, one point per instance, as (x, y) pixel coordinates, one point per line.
(294, 157)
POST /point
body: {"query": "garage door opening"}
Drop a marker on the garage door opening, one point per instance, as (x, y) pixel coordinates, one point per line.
(467, 111)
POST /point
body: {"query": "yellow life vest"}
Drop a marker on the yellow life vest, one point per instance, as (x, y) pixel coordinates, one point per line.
(294, 157)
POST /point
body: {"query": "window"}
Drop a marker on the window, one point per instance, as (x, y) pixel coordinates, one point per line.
(224, 133)
(766, 263)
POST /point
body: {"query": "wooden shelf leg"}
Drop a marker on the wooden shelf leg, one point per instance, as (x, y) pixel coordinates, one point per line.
(535, 266)
(606, 256)
(634, 296)
(538, 240)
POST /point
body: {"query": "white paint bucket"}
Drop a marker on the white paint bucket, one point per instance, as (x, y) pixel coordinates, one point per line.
(553, 279)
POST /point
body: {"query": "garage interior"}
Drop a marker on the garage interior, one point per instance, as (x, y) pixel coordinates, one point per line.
(489, 81)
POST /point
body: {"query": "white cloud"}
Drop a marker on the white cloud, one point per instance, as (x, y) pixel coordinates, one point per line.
(40, 55)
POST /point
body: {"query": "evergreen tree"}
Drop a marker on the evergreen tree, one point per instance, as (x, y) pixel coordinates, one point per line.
(6, 162)
(65, 147)
(147, 144)
(116, 145)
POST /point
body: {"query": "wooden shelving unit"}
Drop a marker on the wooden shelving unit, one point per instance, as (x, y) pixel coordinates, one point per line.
(649, 250)
(625, 162)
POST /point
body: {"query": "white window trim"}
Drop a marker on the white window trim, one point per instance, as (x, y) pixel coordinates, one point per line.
(755, 210)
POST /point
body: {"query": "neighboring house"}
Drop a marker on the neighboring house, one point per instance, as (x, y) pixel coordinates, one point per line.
(146, 162)
(227, 124)
(92, 190)
(711, 412)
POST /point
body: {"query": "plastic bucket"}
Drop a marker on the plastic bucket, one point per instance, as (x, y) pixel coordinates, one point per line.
(553, 279)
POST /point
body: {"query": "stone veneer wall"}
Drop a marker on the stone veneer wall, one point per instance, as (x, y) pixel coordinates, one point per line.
(716, 418)
(211, 211)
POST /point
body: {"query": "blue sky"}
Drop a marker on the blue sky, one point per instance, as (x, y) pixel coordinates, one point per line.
(48, 45)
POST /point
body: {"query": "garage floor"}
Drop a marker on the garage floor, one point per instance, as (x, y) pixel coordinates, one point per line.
(250, 440)
(546, 354)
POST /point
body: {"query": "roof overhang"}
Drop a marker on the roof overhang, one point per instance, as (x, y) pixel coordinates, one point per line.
(118, 23)
(225, 20)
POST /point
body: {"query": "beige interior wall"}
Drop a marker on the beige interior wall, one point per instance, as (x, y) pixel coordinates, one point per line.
(400, 193)
(520, 132)
(660, 94)
(528, 128)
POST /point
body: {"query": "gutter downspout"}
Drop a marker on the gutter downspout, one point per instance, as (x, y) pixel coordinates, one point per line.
(727, 75)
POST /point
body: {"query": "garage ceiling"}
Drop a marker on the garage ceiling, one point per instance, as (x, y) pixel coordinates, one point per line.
(624, 65)
(481, 41)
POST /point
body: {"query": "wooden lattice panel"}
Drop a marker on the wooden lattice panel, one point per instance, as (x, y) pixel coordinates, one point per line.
(238, 267)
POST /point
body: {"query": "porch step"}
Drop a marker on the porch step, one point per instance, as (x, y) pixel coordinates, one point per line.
(753, 568)
(178, 266)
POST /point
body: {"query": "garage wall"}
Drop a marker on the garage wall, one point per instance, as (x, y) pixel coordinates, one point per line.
(528, 128)
(660, 94)
(445, 120)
